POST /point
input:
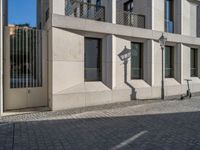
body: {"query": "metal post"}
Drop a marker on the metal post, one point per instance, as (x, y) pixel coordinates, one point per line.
(162, 88)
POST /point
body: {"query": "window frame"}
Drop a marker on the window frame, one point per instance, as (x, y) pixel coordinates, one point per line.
(171, 17)
(128, 3)
(171, 62)
(195, 59)
(141, 61)
(100, 58)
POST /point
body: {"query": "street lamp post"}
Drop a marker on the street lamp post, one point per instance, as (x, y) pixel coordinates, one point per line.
(162, 42)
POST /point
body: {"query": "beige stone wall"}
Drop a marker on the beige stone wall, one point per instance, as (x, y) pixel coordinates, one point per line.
(67, 56)
(189, 15)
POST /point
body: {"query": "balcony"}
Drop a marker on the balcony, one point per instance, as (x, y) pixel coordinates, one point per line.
(130, 19)
(84, 10)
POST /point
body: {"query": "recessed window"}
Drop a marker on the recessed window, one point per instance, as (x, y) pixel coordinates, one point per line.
(98, 5)
(169, 16)
(169, 62)
(92, 59)
(194, 62)
(136, 60)
(128, 6)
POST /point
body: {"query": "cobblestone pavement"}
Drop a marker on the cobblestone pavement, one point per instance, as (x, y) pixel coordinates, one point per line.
(162, 125)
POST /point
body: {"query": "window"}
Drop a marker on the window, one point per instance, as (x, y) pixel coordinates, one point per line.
(128, 6)
(169, 62)
(136, 60)
(98, 2)
(129, 18)
(194, 62)
(169, 16)
(98, 5)
(92, 59)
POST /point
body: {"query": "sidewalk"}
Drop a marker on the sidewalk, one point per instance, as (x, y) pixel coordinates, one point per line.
(156, 125)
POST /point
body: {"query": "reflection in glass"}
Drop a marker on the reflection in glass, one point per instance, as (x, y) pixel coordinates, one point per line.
(136, 60)
(92, 59)
(169, 61)
(169, 16)
(194, 62)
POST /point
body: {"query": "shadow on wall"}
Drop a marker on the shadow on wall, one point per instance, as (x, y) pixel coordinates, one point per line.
(125, 55)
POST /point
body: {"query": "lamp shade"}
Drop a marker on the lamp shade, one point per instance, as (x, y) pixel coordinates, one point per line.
(162, 41)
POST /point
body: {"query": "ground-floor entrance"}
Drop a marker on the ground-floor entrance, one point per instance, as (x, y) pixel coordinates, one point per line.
(25, 68)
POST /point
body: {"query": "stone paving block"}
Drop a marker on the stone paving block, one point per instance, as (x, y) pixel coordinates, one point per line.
(168, 125)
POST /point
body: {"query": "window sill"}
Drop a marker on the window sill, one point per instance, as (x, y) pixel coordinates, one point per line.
(139, 83)
(171, 82)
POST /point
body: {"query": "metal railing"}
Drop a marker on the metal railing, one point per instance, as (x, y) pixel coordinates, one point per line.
(25, 57)
(130, 19)
(81, 9)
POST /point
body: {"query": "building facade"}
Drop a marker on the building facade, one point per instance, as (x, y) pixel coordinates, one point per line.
(89, 40)
(3, 22)
(105, 51)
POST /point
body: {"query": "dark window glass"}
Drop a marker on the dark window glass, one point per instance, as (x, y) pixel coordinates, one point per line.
(169, 16)
(194, 61)
(88, 1)
(128, 6)
(136, 60)
(92, 59)
(169, 62)
(98, 4)
(47, 15)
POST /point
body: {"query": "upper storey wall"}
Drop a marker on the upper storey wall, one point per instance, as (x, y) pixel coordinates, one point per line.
(185, 14)
(189, 16)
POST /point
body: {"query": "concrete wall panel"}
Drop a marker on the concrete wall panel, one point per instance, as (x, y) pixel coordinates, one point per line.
(68, 59)
(189, 18)
(158, 7)
(59, 7)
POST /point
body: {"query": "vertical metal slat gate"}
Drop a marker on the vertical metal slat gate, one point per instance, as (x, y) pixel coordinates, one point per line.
(26, 69)
(24, 63)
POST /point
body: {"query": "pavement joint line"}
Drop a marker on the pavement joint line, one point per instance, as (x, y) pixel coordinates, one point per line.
(130, 140)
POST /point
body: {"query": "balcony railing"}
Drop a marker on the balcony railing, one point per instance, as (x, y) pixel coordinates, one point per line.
(130, 19)
(81, 9)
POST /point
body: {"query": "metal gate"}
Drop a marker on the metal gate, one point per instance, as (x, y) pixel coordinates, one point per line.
(25, 68)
